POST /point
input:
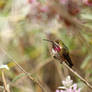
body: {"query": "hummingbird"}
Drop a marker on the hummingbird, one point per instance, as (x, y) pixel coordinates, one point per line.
(60, 52)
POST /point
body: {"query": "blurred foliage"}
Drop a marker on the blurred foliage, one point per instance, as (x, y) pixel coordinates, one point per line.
(23, 26)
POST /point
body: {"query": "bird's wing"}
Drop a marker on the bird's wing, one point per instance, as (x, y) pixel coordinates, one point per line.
(67, 58)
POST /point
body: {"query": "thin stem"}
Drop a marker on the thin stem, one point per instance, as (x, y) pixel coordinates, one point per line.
(4, 81)
(28, 75)
(80, 77)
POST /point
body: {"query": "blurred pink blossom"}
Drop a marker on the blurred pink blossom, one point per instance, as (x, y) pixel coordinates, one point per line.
(44, 9)
(31, 1)
(87, 2)
(63, 1)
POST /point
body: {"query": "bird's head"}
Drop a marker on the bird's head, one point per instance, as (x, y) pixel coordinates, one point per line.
(55, 45)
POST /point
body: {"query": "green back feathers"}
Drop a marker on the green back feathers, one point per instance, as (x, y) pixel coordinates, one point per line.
(63, 45)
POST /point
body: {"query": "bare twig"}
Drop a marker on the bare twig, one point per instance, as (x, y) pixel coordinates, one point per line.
(4, 81)
(27, 74)
(80, 77)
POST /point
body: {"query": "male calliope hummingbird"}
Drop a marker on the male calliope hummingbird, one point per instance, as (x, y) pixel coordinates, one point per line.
(60, 52)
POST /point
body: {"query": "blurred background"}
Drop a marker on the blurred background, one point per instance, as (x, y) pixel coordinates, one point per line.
(23, 26)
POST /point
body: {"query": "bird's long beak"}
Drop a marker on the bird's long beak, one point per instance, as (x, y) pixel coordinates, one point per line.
(53, 43)
(49, 41)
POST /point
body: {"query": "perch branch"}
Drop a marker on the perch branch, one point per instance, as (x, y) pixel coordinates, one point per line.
(80, 77)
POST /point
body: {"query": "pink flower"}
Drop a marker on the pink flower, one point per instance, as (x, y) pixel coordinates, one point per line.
(75, 88)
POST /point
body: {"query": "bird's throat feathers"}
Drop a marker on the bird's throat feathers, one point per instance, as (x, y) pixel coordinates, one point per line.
(57, 48)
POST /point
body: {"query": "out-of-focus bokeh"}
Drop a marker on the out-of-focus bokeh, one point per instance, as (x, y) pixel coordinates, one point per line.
(23, 26)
